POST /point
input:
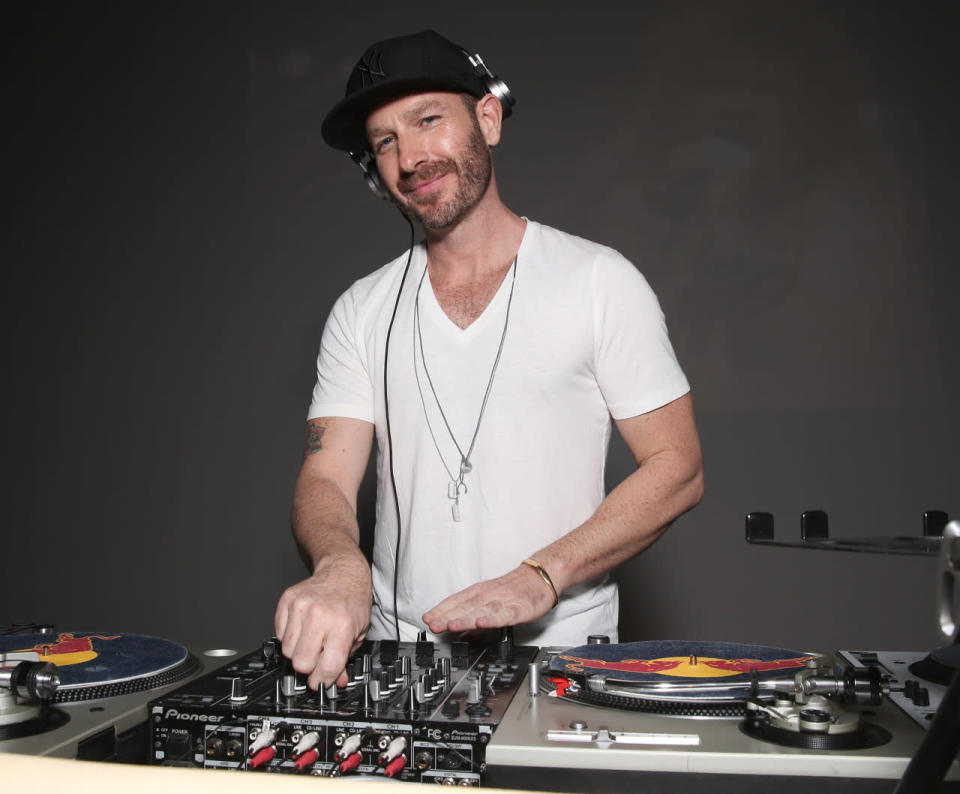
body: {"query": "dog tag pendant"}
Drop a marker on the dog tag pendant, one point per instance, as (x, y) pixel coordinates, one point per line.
(454, 489)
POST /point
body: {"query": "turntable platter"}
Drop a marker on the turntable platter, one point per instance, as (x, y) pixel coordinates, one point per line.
(681, 662)
(99, 665)
(673, 677)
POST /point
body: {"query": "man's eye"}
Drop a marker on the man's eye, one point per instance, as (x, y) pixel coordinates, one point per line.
(429, 119)
(382, 144)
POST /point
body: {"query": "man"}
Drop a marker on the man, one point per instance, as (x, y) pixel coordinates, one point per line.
(488, 362)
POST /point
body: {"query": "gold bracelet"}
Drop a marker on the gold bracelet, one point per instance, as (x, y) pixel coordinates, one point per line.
(545, 576)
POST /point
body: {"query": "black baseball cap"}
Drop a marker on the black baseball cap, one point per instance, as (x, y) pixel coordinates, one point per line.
(392, 68)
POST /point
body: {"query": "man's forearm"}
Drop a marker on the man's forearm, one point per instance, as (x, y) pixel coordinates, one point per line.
(629, 520)
(632, 517)
(321, 619)
(667, 483)
(324, 523)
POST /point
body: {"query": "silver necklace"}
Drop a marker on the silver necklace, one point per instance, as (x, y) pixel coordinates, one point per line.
(456, 487)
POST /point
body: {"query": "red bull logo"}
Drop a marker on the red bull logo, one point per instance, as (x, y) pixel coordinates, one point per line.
(686, 666)
(68, 649)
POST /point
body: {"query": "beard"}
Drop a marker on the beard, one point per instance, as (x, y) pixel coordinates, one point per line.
(473, 170)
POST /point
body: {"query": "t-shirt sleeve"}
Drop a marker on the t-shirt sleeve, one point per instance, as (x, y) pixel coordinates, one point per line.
(636, 367)
(344, 384)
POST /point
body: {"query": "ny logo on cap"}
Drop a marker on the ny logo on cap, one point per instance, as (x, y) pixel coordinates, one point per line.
(371, 67)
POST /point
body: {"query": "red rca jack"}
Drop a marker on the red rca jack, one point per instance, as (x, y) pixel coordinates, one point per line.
(262, 757)
(262, 750)
(307, 759)
(350, 763)
(395, 766)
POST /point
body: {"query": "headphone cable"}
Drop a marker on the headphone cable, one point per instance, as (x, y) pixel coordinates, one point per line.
(386, 408)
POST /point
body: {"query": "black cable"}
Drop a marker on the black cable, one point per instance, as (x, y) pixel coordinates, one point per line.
(23, 628)
(386, 408)
(451, 750)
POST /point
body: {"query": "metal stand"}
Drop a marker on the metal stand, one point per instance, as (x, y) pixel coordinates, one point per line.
(940, 746)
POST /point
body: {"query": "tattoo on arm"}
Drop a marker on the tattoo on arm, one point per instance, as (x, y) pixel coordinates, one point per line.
(314, 439)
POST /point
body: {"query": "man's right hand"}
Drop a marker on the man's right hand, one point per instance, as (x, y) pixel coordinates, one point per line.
(322, 620)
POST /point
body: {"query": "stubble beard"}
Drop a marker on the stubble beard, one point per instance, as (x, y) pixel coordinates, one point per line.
(473, 170)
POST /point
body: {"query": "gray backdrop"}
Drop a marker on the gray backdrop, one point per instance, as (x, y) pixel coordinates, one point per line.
(783, 173)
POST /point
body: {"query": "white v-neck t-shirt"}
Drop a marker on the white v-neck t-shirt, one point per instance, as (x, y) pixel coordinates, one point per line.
(585, 341)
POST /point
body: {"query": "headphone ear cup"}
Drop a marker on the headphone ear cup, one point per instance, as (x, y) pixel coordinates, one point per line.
(370, 173)
(493, 84)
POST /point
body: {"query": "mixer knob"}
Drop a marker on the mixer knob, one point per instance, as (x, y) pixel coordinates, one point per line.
(443, 670)
(288, 685)
(424, 653)
(505, 651)
(388, 652)
(476, 689)
(237, 691)
(533, 679)
(355, 670)
(269, 651)
(460, 653)
(598, 639)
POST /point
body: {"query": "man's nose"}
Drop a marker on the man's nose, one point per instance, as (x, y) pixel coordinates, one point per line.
(410, 153)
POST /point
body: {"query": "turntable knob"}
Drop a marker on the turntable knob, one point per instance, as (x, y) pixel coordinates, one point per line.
(578, 725)
(598, 639)
(814, 721)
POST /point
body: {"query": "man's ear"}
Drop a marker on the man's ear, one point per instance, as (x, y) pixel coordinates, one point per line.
(490, 118)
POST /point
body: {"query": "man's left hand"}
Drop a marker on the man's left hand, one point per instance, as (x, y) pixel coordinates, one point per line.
(520, 596)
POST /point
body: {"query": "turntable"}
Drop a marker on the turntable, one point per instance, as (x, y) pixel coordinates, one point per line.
(83, 694)
(740, 718)
(727, 715)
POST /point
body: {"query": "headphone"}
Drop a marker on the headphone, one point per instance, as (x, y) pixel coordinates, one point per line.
(493, 85)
